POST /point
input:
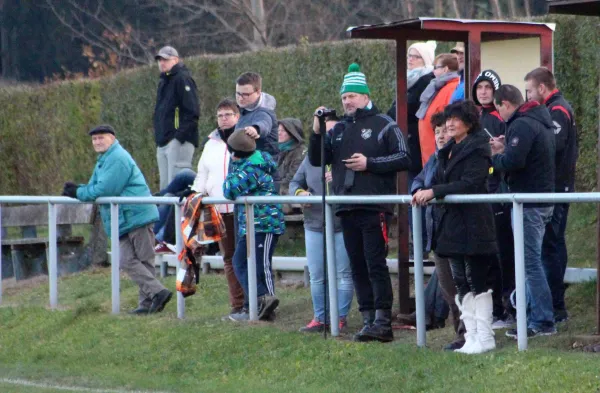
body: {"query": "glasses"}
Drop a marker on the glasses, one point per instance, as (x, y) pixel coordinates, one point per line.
(244, 95)
(437, 67)
(225, 116)
(414, 57)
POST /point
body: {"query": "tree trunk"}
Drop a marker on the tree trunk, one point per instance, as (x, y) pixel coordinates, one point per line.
(260, 25)
(497, 9)
(410, 11)
(527, 8)
(456, 9)
(439, 8)
(512, 8)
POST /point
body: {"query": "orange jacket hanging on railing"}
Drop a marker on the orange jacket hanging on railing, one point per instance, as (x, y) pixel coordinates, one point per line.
(200, 225)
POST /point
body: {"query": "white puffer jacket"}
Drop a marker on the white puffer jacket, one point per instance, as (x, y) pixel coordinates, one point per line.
(212, 170)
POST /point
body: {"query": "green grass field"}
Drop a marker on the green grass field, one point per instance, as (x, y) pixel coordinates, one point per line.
(83, 345)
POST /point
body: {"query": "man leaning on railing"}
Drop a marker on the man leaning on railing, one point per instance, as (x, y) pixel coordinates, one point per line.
(117, 174)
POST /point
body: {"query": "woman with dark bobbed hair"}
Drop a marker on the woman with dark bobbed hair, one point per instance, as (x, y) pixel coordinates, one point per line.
(466, 233)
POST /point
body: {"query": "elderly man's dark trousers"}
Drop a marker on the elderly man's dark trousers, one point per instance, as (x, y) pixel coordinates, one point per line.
(363, 237)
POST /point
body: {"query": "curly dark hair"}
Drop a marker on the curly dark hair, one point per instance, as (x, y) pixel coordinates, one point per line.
(466, 111)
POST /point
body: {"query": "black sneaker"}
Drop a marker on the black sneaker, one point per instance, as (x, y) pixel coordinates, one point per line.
(532, 332)
(266, 306)
(160, 300)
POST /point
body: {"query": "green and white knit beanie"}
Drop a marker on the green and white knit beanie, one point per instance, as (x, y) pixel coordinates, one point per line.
(355, 81)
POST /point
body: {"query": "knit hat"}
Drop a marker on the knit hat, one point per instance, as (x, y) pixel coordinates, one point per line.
(426, 51)
(102, 129)
(355, 81)
(486, 75)
(241, 145)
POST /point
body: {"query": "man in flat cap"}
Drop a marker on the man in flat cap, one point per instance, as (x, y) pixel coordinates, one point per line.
(175, 116)
(117, 175)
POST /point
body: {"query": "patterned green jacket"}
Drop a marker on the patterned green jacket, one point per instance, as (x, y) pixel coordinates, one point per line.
(253, 176)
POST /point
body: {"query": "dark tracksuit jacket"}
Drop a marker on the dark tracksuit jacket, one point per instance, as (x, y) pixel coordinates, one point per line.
(177, 108)
(565, 136)
(376, 136)
(529, 154)
(492, 123)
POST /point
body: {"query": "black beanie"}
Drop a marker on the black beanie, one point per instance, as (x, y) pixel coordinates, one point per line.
(487, 75)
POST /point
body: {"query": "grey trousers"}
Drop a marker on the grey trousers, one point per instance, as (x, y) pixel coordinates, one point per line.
(444, 273)
(172, 158)
(137, 260)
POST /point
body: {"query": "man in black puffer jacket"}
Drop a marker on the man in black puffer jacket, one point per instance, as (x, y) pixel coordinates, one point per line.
(175, 116)
(526, 155)
(366, 149)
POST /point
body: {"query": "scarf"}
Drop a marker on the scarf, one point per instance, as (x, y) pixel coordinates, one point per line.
(412, 76)
(286, 146)
(431, 91)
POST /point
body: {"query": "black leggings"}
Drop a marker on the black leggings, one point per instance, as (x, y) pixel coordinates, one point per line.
(470, 273)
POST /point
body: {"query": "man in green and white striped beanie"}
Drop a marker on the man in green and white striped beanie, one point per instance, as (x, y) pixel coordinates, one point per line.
(355, 81)
(355, 91)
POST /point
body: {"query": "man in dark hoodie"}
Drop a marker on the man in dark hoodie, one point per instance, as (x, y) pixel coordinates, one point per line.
(501, 276)
(175, 116)
(366, 149)
(526, 156)
(541, 87)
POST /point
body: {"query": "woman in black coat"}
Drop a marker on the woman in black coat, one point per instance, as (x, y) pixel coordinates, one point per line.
(466, 232)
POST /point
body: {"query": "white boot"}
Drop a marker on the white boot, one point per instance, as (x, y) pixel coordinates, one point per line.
(483, 316)
(467, 314)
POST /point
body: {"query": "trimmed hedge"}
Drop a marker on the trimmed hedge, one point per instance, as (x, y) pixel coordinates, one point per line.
(44, 140)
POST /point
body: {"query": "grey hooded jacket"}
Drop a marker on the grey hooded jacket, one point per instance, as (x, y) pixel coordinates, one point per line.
(262, 116)
(308, 178)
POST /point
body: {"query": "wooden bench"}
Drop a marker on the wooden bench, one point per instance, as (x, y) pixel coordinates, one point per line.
(27, 256)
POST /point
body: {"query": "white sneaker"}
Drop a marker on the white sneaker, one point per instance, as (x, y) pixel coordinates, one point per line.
(507, 323)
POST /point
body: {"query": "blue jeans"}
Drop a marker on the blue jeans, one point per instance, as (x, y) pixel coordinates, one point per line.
(539, 298)
(314, 256)
(265, 246)
(554, 255)
(182, 180)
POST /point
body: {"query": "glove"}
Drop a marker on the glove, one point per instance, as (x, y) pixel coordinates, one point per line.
(70, 190)
(184, 194)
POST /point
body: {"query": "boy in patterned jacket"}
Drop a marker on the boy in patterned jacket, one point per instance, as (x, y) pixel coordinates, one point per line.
(251, 174)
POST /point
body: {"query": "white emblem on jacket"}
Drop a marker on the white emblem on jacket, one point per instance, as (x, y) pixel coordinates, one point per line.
(366, 133)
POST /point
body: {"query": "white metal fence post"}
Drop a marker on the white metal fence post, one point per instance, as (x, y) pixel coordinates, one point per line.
(332, 271)
(251, 250)
(179, 247)
(115, 257)
(0, 254)
(419, 287)
(52, 256)
(519, 240)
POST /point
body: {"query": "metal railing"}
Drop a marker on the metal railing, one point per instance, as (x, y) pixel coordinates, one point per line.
(517, 201)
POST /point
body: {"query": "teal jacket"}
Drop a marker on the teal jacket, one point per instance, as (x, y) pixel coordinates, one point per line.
(117, 174)
(253, 176)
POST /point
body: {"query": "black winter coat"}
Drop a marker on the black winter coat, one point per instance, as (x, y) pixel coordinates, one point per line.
(177, 108)
(413, 103)
(565, 136)
(464, 229)
(378, 138)
(529, 152)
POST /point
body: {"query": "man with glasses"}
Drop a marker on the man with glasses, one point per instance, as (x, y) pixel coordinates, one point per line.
(459, 52)
(175, 116)
(257, 113)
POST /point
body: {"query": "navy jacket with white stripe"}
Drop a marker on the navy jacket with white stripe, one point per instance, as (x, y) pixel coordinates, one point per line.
(378, 138)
